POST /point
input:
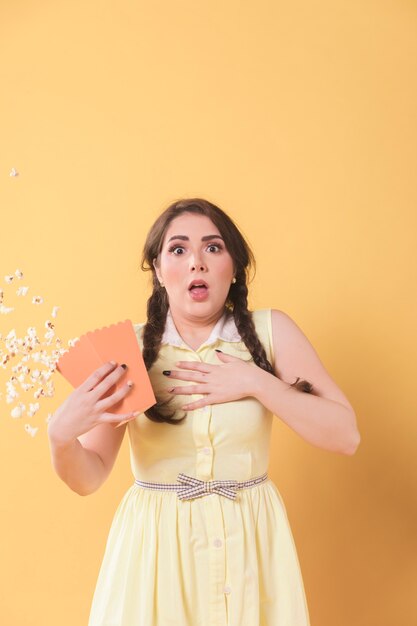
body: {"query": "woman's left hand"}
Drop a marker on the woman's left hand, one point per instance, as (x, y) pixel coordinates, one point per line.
(233, 379)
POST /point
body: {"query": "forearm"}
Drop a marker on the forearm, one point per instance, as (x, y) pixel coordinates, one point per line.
(320, 421)
(81, 469)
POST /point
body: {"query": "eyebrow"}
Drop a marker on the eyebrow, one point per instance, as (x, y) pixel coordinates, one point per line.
(205, 238)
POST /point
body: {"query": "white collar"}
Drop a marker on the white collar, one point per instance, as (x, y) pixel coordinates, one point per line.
(225, 329)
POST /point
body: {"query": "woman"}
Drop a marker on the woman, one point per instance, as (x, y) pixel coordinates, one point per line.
(202, 536)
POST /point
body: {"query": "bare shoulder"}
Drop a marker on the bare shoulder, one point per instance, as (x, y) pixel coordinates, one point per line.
(295, 357)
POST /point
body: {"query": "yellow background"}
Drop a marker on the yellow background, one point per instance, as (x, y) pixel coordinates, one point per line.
(298, 119)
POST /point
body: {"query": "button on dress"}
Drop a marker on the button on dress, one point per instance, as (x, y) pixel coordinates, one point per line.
(210, 560)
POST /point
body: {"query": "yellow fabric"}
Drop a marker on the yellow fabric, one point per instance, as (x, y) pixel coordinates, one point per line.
(210, 561)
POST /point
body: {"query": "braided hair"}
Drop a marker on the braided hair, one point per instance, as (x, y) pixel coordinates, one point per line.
(236, 302)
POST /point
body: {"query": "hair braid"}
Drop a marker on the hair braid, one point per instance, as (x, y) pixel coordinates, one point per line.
(238, 296)
(157, 309)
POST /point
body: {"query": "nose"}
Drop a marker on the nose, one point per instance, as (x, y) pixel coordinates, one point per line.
(197, 265)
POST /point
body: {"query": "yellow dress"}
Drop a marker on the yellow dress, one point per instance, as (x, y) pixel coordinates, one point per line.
(210, 560)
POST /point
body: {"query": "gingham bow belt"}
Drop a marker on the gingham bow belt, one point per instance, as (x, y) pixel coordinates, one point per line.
(194, 487)
(189, 487)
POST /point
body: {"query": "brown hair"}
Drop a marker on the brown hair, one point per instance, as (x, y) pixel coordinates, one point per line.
(236, 302)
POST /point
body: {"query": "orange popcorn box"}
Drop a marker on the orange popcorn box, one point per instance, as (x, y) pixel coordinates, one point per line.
(117, 342)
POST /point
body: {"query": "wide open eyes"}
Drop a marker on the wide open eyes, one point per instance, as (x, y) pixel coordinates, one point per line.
(179, 250)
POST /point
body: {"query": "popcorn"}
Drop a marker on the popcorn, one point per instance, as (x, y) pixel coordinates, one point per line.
(31, 430)
(14, 172)
(36, 359)
(5, 309)
(12, 394)
(18, 410)
(33, 408)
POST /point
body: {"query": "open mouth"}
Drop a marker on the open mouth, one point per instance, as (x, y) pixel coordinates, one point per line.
(197, 284)
(198, 289)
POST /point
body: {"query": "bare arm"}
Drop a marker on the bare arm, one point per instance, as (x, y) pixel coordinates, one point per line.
(325, 419)
(85, 463)
(84, 441)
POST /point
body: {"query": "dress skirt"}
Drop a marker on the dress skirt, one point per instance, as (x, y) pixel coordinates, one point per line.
(208, 561)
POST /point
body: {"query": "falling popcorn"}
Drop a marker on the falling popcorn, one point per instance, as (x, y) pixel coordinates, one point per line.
(14, 172)
(33, 408)
(18, 410)
(32, 430)
(12, 394)
(5, 309)
(32, 359)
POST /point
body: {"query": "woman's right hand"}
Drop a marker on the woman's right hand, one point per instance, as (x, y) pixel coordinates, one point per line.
(85, 407)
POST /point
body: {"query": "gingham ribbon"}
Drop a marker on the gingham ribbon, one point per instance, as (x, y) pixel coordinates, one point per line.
(191, 487)
(194, 487)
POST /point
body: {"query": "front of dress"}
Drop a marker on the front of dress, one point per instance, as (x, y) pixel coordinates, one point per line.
(210, 560)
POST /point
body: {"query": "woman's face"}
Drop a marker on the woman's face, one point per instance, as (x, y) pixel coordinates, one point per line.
(193, 252)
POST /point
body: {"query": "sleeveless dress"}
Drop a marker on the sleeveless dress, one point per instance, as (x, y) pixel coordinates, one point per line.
(210, 560)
